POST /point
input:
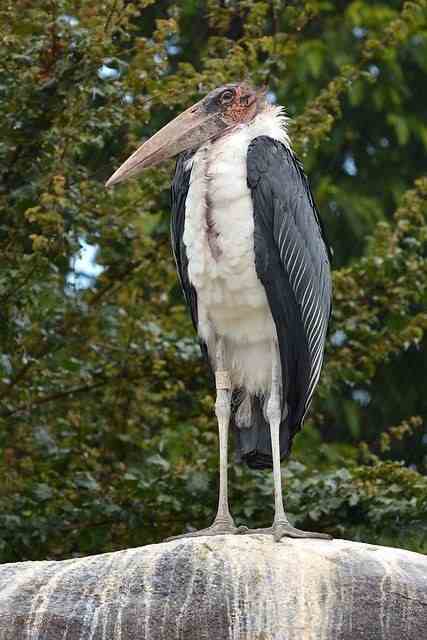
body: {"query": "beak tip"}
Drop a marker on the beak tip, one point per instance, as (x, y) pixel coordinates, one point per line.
(110, 182)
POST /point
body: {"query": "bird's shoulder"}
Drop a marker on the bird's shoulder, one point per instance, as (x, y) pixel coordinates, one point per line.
(281, 189)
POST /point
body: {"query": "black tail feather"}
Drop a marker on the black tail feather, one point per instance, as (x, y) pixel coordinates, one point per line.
(253, 444)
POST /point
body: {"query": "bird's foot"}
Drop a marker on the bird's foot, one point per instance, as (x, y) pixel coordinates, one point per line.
(218, 528)
(283, 529)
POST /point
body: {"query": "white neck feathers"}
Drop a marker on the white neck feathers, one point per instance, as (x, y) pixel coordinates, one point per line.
(271, 122)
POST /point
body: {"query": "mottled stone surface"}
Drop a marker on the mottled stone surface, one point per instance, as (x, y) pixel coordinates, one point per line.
(229, 587)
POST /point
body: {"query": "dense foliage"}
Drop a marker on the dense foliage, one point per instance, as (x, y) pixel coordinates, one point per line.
(107, 434)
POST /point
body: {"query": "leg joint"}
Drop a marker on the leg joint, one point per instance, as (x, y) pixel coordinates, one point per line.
(222, 380)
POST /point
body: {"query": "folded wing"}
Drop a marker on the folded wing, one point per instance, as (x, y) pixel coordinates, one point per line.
(292, 262)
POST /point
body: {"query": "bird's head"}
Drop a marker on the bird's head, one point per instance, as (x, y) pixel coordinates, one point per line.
(217, 114)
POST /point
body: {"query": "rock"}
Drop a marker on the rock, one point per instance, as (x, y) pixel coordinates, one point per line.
(228, 587)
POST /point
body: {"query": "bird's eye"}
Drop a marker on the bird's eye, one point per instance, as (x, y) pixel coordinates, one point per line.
(227, 96)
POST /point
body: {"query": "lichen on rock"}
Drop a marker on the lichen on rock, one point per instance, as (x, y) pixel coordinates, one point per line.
(223, 588)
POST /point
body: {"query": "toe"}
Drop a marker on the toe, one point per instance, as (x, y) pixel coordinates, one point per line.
(282, 531)
(217, 529)
(242, 529)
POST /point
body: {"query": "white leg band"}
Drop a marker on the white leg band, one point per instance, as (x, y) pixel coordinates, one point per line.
(223, 380)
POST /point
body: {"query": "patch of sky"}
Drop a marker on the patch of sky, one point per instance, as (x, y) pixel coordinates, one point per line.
(271, 97)
(359, 32)
(108, 73)
(161, 60)
(374, 70)
(5, 364)
(361, 396)
(338, 338)
(411, 242)
(349, 165)
(172, 47)
(70, 21)
(83, 267)
(128, 98)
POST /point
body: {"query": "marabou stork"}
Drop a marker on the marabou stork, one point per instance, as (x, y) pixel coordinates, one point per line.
(254, 267)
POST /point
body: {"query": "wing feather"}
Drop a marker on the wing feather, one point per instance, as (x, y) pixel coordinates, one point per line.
(293, 263)
(179, 192)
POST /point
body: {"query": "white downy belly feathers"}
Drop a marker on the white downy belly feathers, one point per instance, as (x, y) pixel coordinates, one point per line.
(219, 240)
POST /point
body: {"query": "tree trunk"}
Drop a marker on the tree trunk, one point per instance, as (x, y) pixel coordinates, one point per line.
(227, 587)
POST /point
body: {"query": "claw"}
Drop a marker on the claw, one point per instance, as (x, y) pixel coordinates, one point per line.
(216, 529)
(281, 530)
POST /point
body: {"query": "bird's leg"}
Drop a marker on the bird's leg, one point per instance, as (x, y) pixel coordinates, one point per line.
(281, 526)
(223, 522)
(223, 411)
(274, 414)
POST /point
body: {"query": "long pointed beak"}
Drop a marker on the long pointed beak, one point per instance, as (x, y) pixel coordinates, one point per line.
(188, 130)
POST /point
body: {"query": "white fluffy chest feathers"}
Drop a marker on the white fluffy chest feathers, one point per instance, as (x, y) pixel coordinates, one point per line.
(219, 220)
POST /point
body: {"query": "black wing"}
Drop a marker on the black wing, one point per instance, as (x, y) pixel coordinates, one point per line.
(292, 262)
(179, 191)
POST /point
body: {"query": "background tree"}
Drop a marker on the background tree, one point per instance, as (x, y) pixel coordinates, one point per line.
(107, 431)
